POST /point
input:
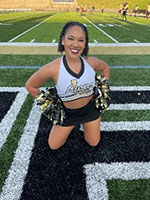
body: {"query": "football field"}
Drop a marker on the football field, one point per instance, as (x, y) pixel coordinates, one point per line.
(120, 168)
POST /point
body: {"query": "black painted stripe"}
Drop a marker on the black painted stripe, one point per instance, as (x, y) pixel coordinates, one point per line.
(6, 100)
(55, 175)
(124, 97)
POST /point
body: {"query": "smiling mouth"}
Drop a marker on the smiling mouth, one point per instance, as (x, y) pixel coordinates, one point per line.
(75, 51)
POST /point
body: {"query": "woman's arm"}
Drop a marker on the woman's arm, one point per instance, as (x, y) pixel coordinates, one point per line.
(48, 71)
(99, 65)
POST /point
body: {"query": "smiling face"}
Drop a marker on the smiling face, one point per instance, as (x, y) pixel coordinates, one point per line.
(74, 41)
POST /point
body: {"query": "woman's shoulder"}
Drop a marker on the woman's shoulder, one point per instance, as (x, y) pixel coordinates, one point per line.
(95, 63)
(92, 61)
(55, 63)
(52, 66)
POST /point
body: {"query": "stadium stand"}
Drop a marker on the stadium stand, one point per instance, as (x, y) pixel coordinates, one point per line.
(38, 4)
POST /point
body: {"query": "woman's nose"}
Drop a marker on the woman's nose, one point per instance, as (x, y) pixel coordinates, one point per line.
(75, 43)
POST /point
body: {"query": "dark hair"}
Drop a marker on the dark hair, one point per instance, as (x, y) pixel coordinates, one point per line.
(64, 31)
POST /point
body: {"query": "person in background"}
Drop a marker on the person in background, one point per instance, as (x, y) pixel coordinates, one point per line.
(74, 77)
(148, 11)
(120, 10)
(92, 9)
(83, 10)
(102, 8)
(124, 11)
(135, 11)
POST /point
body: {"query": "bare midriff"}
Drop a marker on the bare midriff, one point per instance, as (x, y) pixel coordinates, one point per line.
(78, 103)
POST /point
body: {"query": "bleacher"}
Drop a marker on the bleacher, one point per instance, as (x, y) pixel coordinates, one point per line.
(69, 4)
(38, 4)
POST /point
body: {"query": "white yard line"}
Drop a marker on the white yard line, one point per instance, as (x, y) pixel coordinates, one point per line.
(101, 30)
(114, 24)
(90, 44)
(130, 106)
(12, 188)
(54, 40)
(1, 24)
(122, 27)
(131, 21)
(136, 41)
(30, 29)
(36, 67)
(98, 173)
(130, 67)
(9, 119)
(125, 126)
(32, 40)
(95, 41)
(130, 88)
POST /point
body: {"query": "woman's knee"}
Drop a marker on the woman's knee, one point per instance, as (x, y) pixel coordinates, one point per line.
(53, 146)
(93, 142)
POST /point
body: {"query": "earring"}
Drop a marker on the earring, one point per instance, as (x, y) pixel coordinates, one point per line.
(62, 43)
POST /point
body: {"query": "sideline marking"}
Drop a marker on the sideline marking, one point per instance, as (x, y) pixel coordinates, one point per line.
(95, 41)
(30, 29)
(130, 106)
(54, 40)
(37, 67)
(12, 188)
(119, 25)
(32, 40)
(136, 41)
(101, 30)
(1, 24)
(122, 27)
(130, 67)
(122, 126)
(97, 175)
(9, 119)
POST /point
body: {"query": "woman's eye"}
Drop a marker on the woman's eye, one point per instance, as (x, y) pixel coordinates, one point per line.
(70, 38)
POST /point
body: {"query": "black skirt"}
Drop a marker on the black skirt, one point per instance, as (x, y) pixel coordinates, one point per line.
(81, 115)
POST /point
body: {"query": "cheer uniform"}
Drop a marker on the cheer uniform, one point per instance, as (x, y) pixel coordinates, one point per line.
(71, 86)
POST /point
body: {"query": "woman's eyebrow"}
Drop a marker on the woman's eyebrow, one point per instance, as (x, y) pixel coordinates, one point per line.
(73, 36)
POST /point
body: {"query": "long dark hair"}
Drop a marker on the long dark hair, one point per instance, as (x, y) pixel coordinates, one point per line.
(64, 31)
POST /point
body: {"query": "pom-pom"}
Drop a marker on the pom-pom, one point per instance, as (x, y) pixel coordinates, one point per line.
(51, 105)
(102, 93)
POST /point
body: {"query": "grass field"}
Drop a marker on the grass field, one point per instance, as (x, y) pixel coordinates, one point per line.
(114, 4)
(120, 167)
(45, 27)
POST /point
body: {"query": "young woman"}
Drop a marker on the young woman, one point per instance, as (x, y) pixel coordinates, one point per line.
(74, 78)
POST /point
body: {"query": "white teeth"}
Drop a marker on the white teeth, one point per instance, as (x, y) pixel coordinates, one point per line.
(74, 50)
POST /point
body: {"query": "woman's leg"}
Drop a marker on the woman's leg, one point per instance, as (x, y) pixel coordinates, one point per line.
(58, 136)
(92, 132)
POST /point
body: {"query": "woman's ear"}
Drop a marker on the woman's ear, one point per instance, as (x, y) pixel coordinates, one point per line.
(62, 40)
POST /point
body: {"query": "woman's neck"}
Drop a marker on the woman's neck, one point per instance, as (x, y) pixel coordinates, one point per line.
(73, 61)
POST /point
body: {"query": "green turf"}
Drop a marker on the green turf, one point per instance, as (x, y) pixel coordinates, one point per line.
(19, 24)
(17, 78)
(114, 4)
(118, 77)
(39, 60)
(128, 115)
(118, 189)
(10, 146)
(129, 190)
(109, 28)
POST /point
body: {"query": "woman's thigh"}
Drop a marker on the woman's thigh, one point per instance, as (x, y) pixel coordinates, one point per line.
(92, 132)
(58, 135)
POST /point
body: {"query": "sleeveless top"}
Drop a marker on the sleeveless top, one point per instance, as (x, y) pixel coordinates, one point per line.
(71, 86)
